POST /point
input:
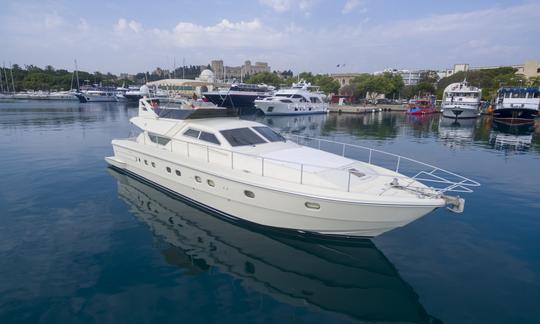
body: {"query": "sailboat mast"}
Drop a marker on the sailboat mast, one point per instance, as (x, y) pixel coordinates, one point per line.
(1, 83)
(77, 75)
(5, 76)
(12, 81)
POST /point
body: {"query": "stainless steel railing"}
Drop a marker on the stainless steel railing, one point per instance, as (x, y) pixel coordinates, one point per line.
(438, 179)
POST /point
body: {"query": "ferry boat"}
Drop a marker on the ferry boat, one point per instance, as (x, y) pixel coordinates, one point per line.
(297, 100)
(517, 105)
(246, 171)
(421, 106)
(461, 100)
(239, 95)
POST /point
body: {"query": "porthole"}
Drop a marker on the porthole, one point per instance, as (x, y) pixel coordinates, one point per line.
(178, 173)
(198, 179)
(249, 194)
(145, 162)
(211, 183)
(168, 169)
(153, 165)
(312, 205)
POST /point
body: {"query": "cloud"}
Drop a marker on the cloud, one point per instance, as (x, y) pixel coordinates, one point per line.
(286, 5)
(127, 26)
(53, 20)
(83, 25)
(350, 5)
(226, 34)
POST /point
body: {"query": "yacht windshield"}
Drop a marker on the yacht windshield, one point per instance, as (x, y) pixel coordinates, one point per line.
(241, 136)
(269, 134)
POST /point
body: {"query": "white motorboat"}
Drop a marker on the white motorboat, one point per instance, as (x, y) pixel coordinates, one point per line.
(97, 94)
(461, 100)
(245, 170)
(297, 100)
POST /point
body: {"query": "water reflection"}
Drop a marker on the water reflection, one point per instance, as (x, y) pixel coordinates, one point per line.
(351, 277)
(456, 133)
(55, 114)
(505, 137)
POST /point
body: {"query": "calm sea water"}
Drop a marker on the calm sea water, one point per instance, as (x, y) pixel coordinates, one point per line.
(80, 243)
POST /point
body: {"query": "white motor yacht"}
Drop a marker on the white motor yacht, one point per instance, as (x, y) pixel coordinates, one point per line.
(461, 100)
(246, 171)
(297, 100)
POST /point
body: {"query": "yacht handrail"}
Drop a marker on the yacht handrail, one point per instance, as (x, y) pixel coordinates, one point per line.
(433, 174)
(463, 185)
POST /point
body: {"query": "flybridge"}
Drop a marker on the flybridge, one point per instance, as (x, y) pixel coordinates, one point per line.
(180, 109)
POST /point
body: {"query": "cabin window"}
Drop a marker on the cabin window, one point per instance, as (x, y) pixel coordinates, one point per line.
(269, 134)
(168, 169)
(249, 194)
(286, 100)
(241, 137)
(178, 173)
(209, 137)
(198, 179)
(315, 100)
(159, 139)
(145, 162)
(211, 183)
(536, 95)
(297, 96)
(192, 133)
(153, 164)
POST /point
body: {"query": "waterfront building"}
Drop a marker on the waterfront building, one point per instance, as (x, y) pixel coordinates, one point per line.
(223, 72)
(529, 69)
(344, 79)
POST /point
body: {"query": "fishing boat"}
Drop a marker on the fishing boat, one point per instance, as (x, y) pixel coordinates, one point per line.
(421, 106)
(246, 171)
(517, 105)
(461, 100)
(301, 99)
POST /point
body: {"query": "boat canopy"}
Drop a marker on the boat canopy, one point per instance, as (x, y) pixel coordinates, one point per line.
(518, 90)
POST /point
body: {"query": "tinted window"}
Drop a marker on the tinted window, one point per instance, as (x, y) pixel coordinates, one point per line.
(209, 137)
(241, 136)
(192, 133)
(269, 134)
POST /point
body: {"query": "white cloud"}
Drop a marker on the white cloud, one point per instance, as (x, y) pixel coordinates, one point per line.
(127, 26)
(286, 5)
(224, 34)
(83, 25)
(53, 20)
(350, 5)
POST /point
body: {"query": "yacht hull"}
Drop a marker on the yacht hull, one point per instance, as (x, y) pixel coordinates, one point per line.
(268, 207)
(458, 112)
(233, 100)
(515, 116)
(84, 98)
(280, 109)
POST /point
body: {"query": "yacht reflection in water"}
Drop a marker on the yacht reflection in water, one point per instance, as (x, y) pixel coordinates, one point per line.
(504, 137)
(456, 133)
(350, 277)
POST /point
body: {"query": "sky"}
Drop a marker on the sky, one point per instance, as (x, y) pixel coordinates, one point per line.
(304, 35)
